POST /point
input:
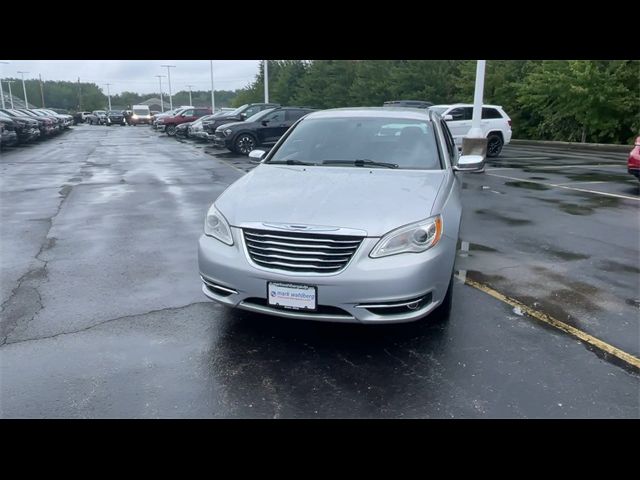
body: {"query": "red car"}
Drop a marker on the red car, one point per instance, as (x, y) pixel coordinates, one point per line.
(633, 164)
(169, 124)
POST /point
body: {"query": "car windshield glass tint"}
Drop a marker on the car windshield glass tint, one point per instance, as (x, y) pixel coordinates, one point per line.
(238, 110)
(259, 116)
(139, 111)
(358, 141)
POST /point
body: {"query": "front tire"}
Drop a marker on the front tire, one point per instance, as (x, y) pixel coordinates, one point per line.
(494, 145)
(171, 130)
(442, 311)
(244, 143)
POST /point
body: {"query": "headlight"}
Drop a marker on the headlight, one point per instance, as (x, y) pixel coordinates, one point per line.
(413, 238)
(227, 132)
(216, 226)
(134, 116)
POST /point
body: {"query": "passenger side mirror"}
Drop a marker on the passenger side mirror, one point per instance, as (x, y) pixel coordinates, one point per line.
(265, 122)
(243, 116)
(255, 156)
(470, 163)
(447, 117)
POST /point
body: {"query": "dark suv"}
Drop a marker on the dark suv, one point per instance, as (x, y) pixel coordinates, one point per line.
(115, 117)
(262, 129)
(240, 114)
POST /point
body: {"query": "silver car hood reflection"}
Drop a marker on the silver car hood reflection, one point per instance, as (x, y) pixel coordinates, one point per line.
(374, 200)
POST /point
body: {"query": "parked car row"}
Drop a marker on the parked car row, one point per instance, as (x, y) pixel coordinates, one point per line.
(239, 130)
(23, 125)
(262, 124)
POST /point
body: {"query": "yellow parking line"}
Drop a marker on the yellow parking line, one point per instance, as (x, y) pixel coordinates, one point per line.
(549, 320)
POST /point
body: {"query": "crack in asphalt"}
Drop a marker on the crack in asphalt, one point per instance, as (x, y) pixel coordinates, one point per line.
(36, 273)
(80, 330)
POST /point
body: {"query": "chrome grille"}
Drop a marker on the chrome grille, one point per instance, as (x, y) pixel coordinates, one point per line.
(300, 251)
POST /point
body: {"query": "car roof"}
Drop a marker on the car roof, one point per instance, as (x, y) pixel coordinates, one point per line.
(449, 105)
(382, 112)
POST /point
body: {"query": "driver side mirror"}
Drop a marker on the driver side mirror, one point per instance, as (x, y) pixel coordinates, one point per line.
(265, 122)
(243, 116)
(470, 163)
(447, 117)
(255, 156)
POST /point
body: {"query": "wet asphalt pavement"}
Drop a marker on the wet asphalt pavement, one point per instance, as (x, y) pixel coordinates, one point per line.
(102, 313)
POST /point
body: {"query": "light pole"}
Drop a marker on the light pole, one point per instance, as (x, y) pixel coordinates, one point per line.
(24, 89)
(108, 95)
(266, 81)
(1, 92)
(161, 100)
(213, 98)
(9, 82)
(190, 100)
(475, 143)
(41, 90)
(169, 79)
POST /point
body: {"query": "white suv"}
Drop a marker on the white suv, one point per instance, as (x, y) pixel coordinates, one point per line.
(495, 124)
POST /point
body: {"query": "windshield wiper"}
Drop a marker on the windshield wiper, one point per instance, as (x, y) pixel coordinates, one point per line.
(291, 162)
(360, 163)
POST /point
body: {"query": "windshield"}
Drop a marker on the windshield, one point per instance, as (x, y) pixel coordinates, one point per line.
(238, 110)
(100, 112)
(140, 111)
(115, 112)
(352, 142)
(258, 116)
(438, 110)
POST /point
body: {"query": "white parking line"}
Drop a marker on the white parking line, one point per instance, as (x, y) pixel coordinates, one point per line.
(556, 185)
(554, 167)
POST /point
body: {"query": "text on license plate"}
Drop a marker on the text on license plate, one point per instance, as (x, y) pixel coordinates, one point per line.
(294, 296)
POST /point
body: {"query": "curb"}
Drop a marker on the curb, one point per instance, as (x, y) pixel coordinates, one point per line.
(602, 147)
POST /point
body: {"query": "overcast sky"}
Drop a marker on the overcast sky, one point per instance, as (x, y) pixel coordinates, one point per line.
(139, 75)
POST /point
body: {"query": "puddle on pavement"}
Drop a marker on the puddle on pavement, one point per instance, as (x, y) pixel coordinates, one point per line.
(573, 209)
(588, 205)
(503, 218)
(599, 177)
(484, 278)
(615, 267)
(632, 302)
(527, 185)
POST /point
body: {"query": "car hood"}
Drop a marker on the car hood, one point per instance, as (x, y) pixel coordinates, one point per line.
(373, 200)
(236, 124)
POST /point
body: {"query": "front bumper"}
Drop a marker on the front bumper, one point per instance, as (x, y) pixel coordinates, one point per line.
(221, 141)
(160, 127)
(341, 297)
(634, 171)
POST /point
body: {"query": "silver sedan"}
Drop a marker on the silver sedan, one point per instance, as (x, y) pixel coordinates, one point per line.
(353, 216)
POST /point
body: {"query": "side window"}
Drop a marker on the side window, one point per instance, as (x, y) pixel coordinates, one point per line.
(490, 113)
(293, 115)
(457, 114)
(468, 113)
(188, 113)
(251, 111)
(276, 117)
(201, 112)
(451, 147)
